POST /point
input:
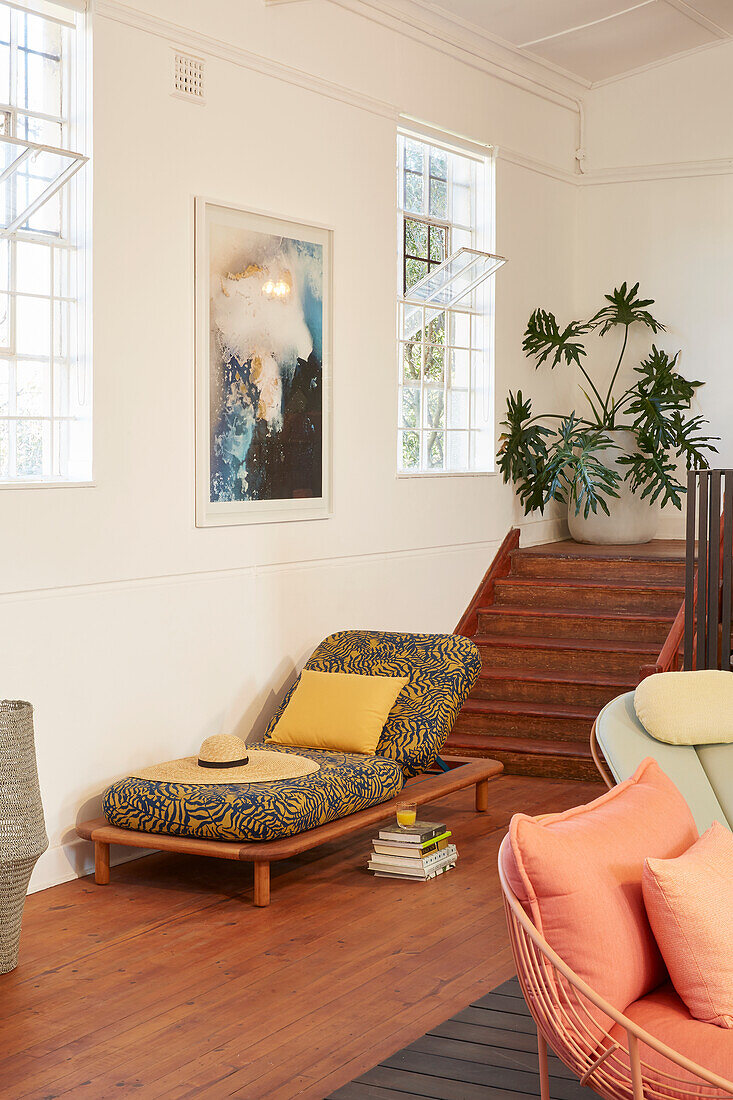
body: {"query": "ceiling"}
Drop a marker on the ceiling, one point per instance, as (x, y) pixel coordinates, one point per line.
(595, 40)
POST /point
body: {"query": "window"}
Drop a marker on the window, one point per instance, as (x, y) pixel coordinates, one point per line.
(45, 386)
(445, 412)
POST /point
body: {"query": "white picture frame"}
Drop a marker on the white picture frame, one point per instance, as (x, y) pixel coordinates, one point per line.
(263, 290)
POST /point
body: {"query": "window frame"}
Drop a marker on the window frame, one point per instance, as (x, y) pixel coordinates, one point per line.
(73, 241)
(482, 238)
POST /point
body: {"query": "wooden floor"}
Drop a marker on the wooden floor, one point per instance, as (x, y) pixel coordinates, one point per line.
(487, 1051)
(168, 983)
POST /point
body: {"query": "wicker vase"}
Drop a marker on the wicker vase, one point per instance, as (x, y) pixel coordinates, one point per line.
(22, 828)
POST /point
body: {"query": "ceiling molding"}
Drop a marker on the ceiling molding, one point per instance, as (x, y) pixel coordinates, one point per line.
(698, 17)
(645, 173)
(215, 47)
(660, 63)
(426, 23)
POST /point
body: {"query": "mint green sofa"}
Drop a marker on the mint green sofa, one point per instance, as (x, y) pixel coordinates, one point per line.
(703, 773)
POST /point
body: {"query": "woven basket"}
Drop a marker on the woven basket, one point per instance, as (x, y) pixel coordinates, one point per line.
(22, 828)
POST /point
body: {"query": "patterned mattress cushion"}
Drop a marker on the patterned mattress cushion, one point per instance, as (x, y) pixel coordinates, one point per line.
(441, 669)
(344, 784)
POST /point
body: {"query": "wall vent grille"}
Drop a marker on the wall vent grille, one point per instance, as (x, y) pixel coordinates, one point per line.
(188, 77)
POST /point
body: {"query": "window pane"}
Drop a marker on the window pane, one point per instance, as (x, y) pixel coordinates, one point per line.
(416, 238)
(32, 389)
(33, 322)
(438, 164)
(4, 264)
(410, 450)
(433, 442)
(412, 361)
(411, 408)
(414, 155)
(459, 329)
(61, 313)
(481, 458)
(38, 84)
(4, 386)
(32, 439)
(414, 192)
(5, 55)
(4, 321)
(438, 198)
(414, 271)
(434, 409)
(437, 243)
(4, 432)
(435, 330)
(458, 450)
(459, 366)
(41, 130)
(33, 268)
(434, 361)
(461, 205)
(458, 408)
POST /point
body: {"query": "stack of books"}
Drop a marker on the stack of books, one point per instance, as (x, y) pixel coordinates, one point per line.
(419, 853)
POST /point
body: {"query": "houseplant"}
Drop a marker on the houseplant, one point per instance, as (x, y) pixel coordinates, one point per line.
(616, 465)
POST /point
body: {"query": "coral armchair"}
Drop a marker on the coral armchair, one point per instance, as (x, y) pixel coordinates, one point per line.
(587, 961)
(620, 1061)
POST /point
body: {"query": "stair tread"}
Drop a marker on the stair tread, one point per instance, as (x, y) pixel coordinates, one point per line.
(527, 641)
(575, 613)
(659, 550)
(534, 710)
(575, 749)
(620, 583)
(536, 675)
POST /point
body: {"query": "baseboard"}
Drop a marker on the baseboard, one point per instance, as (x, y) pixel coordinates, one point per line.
(75, 859)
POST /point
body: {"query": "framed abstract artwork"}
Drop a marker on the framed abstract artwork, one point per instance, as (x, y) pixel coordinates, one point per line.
(263, 367)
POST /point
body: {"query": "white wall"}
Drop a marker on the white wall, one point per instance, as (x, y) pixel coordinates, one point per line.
(660, 210)
(134, 634)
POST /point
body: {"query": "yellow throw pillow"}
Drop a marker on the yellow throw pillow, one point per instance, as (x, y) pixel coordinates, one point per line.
(338, 711)
(687, 708)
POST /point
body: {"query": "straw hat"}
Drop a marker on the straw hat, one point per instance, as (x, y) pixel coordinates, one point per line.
(224, 758)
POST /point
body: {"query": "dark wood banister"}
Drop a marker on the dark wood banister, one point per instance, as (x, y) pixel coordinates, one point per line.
(668, 659)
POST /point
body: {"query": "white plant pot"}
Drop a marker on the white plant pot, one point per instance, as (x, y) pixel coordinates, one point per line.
(632, 520)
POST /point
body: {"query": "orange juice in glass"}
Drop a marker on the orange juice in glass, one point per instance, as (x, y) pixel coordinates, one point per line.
(406, 814)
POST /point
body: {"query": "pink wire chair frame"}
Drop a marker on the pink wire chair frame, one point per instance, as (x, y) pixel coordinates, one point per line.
(562, 1006)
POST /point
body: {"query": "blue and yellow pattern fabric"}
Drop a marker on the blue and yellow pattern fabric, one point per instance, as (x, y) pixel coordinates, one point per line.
(344, 784)
(441, 670)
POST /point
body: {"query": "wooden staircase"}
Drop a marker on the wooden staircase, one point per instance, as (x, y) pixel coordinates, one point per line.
(561, 629)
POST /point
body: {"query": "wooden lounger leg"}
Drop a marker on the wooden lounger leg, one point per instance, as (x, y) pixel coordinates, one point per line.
(482, 796)
(101, 863)
(262, 884)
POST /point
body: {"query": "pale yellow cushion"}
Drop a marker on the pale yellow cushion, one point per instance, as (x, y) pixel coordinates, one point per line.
(687, 708)
(341, 711)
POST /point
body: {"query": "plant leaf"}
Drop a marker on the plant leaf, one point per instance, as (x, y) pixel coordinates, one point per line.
(543, 338)
(523, 451)
(625, 308)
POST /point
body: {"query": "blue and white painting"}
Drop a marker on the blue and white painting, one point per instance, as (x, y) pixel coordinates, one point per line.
(267, 329)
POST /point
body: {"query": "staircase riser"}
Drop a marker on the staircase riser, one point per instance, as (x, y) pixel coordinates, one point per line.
(524, 725)
(573, 627)
(517, 691)
(548, 767)
(554, 568)
(567, 597)
(546, 660)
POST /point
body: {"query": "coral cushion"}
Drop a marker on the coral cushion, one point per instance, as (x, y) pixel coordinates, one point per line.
(689, 901)
(663, 1015)
(578, 874)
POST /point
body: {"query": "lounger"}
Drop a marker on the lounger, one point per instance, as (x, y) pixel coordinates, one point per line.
(261, 822)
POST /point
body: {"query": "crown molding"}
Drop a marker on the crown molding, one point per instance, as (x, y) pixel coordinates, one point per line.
(423, 22)
(532, 164)
(645, 173)
(215, 47)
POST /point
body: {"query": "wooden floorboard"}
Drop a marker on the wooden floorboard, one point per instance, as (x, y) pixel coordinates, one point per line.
(169, 983)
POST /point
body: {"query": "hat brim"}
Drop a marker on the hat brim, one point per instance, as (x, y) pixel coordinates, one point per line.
(264, 767)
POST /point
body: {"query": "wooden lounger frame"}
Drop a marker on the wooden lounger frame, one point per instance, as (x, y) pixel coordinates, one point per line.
(429, 787)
